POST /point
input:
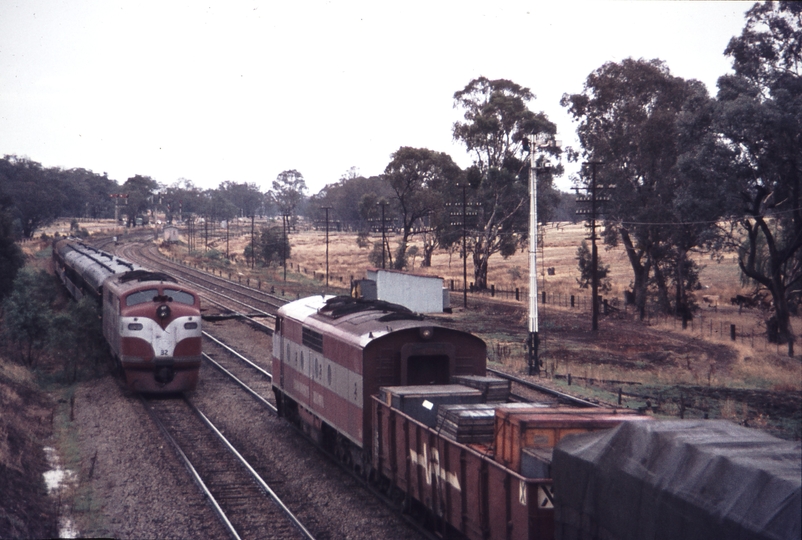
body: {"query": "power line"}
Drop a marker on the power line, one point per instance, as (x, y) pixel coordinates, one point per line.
(709, 222)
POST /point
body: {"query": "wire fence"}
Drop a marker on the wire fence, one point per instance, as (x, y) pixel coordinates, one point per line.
(710, 323)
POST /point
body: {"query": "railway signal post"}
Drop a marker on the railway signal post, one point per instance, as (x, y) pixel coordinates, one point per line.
(536, 165)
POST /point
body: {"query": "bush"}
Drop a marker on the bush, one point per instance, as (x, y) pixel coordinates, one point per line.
(31, 324)
(28, 314)
(271, 247)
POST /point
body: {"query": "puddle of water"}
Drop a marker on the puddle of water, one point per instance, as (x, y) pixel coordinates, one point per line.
(58, 480)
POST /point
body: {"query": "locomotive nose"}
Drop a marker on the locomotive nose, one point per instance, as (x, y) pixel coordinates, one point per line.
(163, 311)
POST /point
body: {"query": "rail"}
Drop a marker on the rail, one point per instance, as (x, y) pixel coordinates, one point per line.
(540, 388)
(252, 473)
(196, 477)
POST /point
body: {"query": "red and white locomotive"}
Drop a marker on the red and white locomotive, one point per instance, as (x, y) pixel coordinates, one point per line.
(151, 323)
(331, 354)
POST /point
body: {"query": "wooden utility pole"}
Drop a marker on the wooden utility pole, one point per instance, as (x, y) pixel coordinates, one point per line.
(464, 224)
(594, 198)
(253, 239)
(383, 204)
(285, 223)
(327, 208)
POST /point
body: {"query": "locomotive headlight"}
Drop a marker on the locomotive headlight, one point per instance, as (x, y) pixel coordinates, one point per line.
(163, 311)
(135, 326)
(426, 332)
(191, 325)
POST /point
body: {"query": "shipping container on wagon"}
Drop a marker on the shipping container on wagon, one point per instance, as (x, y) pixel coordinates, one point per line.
(461, 484)
(518, 428)
(667, 479)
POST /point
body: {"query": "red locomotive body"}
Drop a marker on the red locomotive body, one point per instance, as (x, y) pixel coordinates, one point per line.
(330, 354)
(153, 327)
(151, 323)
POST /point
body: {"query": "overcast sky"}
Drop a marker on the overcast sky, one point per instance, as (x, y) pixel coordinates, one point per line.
(242, 90)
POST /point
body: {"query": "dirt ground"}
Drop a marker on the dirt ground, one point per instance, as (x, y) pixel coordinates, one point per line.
(25, 428)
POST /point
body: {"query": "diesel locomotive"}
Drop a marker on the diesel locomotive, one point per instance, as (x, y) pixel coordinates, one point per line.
(151, 322)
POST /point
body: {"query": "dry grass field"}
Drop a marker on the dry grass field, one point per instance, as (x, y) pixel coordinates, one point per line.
(654, 364)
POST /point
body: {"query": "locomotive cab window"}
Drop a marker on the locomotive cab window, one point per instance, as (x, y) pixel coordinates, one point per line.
(140, 297)
(423, 370)
(180, 296)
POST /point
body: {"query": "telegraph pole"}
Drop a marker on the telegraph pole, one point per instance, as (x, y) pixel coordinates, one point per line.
(327, 208)
(594, 198)
(464, 223)
(253, 239)
(383, 204)
(285, 225)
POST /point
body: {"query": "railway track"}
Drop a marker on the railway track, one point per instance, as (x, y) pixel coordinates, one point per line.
(247, 374)
(244, 501)
(310, 484)
(550, 393)
(255, 381)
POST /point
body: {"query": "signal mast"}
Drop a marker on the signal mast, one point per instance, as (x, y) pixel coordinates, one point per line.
(537, 164)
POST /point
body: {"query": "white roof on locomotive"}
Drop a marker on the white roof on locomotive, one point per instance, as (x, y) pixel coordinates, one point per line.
(357, 326)
(122, 283)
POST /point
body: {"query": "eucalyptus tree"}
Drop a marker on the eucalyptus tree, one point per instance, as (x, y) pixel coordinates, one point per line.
(141, 191)
(497, 124)
(182, 198)
(289, 191)
(245, 198)
(87, 193)
(344, 195)
(759, 120)
(638, 119)
(417, 177)
(34, 191)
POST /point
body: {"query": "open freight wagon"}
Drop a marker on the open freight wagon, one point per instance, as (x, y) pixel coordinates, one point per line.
(469, 486)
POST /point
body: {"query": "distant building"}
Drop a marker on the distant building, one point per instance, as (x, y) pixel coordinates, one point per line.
(170, 234)
(421, 294)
